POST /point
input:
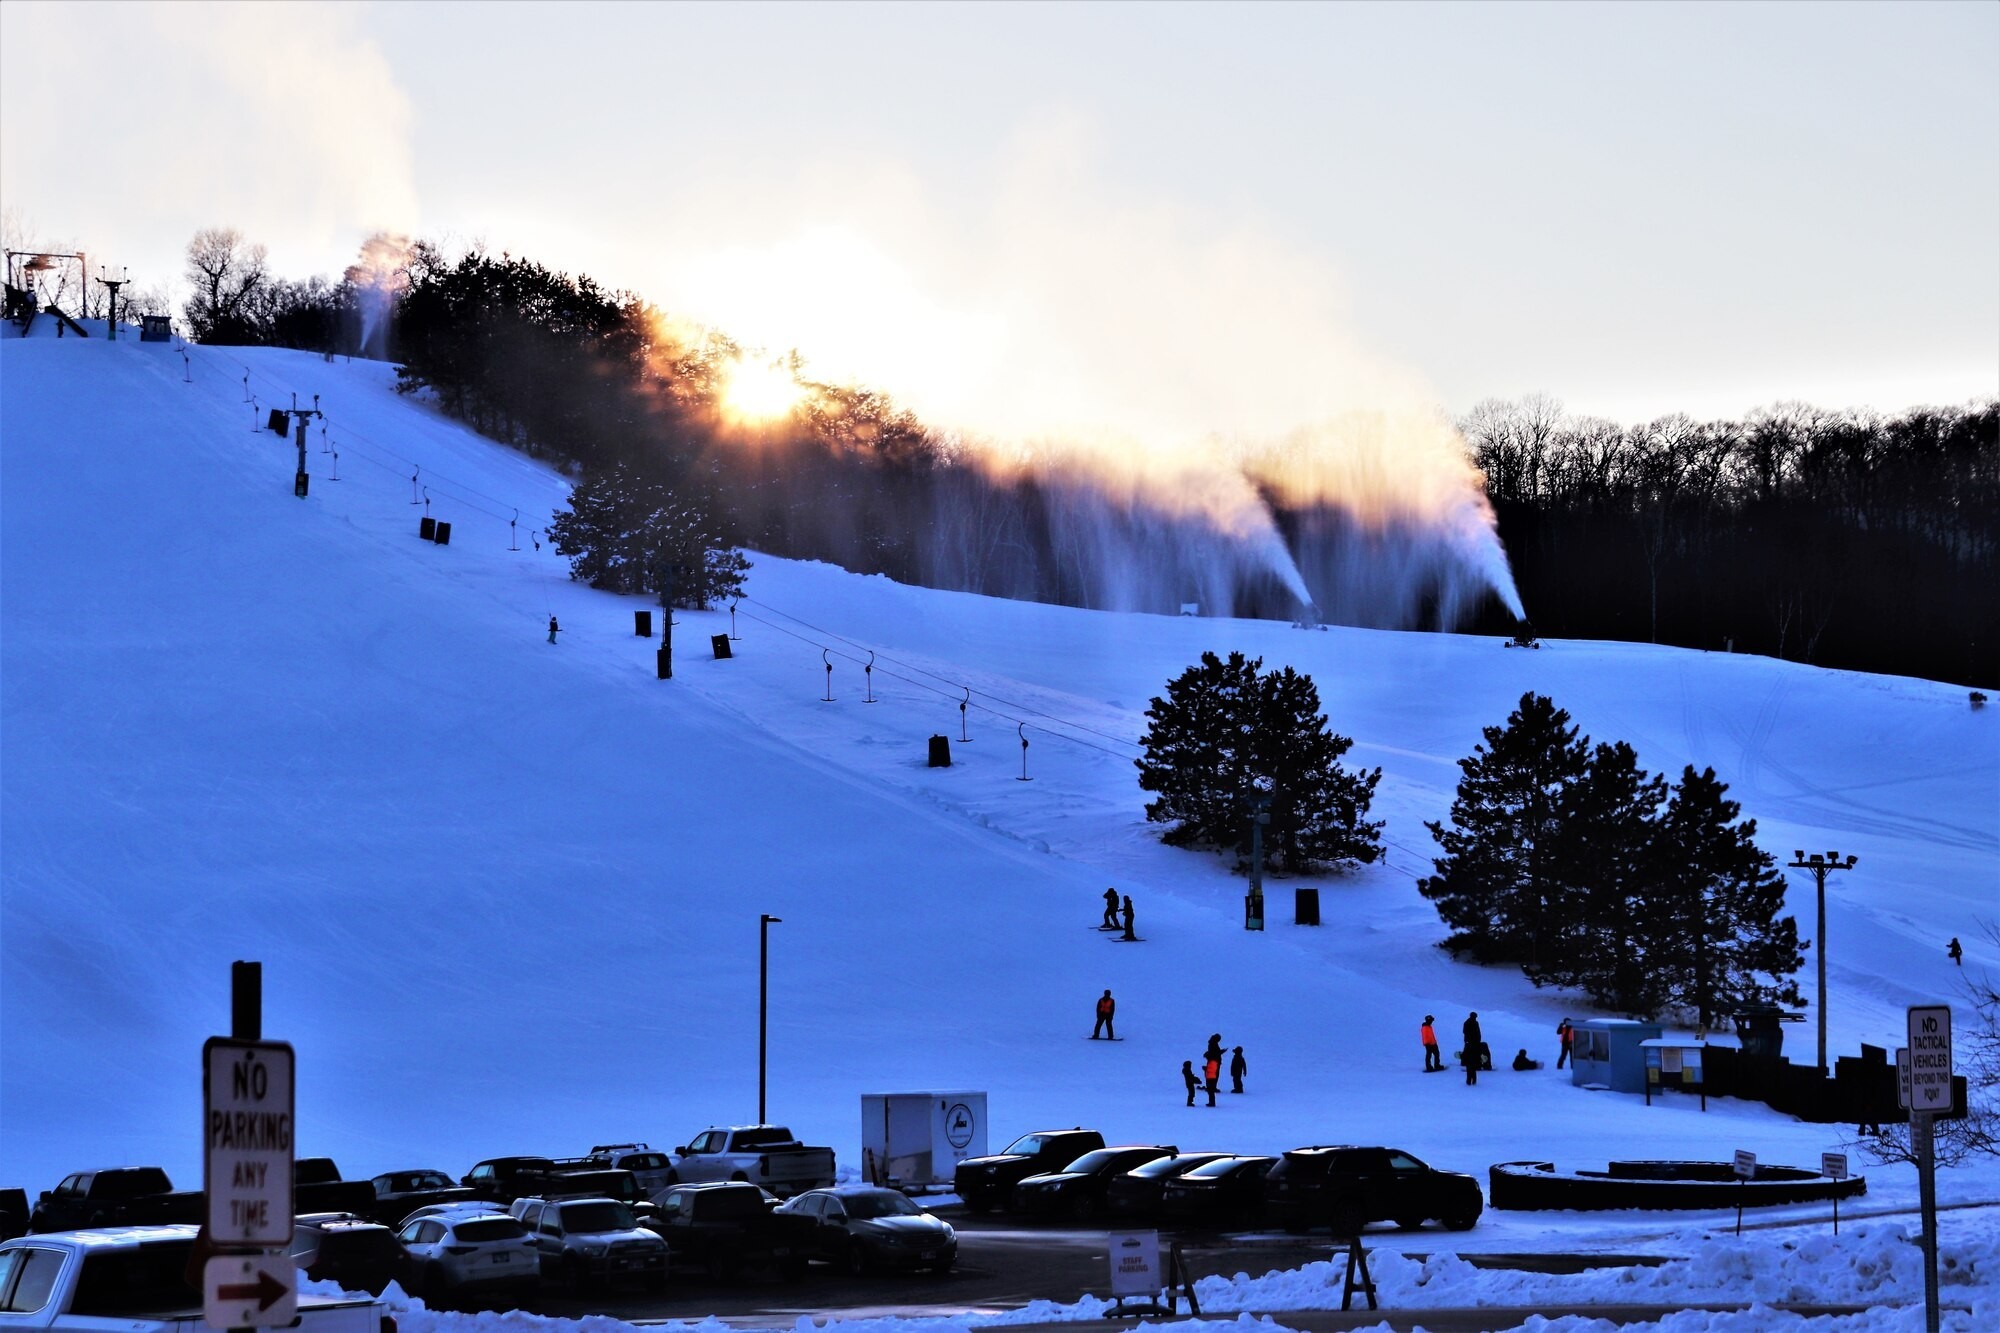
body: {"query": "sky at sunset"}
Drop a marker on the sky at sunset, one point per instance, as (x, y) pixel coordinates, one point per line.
(1148, 219)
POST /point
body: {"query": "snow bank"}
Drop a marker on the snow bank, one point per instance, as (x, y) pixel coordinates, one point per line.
(1877, 1265)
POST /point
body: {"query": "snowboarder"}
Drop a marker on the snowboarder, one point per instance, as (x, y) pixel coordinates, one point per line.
(1187, 1074)
(1565, 1034)
(1106, 1007)
(1433, 1062)
(1521, 1060)
(1110, 921)
(1955, 953)
(1470, 1055)
(552, 629)
(1128, 918)
(1238, 1067)
(1211, 1074)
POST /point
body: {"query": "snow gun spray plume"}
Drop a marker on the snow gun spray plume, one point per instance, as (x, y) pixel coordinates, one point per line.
(379, 276)
(1144, 408)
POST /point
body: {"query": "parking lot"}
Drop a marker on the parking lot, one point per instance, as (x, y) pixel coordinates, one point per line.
(1001, 1265)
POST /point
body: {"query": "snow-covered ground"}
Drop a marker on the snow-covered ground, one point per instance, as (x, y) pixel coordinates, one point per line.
(506, 894)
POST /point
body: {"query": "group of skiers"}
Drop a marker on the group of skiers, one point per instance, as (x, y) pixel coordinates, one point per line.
(1114, 910)
(1475, 1055)
(1211, 1070)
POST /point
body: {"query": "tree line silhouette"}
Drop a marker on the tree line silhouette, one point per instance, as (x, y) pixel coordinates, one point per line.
(1845, 539)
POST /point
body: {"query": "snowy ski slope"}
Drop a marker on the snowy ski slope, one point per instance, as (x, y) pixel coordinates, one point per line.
(506, 893)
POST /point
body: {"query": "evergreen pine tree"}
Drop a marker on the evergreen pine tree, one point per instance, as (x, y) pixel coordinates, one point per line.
(1225, 734)
(1606, 872)
(628, 531)
(1713, 929)
(1501, 873)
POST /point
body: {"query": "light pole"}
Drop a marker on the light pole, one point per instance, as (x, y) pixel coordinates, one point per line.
(763, 990)
(1253, 902)
(1820, 865)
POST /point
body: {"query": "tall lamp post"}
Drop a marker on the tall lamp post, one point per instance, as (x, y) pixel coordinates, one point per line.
(1820, 865)
(763, 991)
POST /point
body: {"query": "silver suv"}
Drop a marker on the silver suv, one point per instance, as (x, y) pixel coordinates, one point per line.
(652, 1169)
(587, 1241)
(451, 1256)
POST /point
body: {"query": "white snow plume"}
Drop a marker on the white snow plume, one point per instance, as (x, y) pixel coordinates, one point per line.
(379, 276)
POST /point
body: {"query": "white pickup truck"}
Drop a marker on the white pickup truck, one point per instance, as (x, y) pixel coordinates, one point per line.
(135, 1280)
(767, 1155)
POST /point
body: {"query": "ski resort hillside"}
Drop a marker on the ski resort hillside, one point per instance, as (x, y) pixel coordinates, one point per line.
(507, 892)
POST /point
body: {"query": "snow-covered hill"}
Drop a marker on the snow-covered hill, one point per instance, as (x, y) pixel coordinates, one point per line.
(507, 893)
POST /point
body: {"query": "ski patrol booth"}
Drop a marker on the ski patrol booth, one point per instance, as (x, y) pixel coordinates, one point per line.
(914, 1141)
(1610, 1053)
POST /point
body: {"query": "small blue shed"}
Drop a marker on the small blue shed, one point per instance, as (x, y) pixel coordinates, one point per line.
(1607, 1051)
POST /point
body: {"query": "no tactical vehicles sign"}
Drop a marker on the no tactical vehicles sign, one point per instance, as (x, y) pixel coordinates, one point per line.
(1930, 1058)
(246, 1134)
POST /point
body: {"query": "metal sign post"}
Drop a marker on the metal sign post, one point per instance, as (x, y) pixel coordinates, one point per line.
(1833, 1165)
(1746, 1171)
(247, 1123)
(1930, 1066)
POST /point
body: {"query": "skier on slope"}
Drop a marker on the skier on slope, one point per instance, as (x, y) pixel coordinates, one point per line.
(1473, 1046)
(1427, 1034)
(1110, 921)
(552, 629)
(1106, 1007)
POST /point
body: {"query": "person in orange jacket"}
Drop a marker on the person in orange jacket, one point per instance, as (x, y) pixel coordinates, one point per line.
(1106, 1007)
(1433, 1063)
(1211, 1074)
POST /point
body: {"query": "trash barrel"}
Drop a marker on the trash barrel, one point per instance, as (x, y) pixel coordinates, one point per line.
(940, 752)
(642, 624)
(720, 643)
(444, 533)
(427, 528)
(1305, 907)
(276, 422)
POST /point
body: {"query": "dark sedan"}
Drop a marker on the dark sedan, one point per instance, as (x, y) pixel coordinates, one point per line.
(1078, 1189)
(1137, 1193)
(1226, 1192)
(859, 1227)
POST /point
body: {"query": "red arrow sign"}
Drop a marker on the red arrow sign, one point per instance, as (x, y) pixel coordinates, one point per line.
(265, 1290)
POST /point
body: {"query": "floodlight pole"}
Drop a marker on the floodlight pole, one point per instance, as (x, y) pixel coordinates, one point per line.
(764, 922)
(1820, 865)
(111, 316)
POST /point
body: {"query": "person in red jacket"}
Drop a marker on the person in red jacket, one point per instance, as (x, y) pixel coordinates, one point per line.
(1564, 1034)
(1433, 1063)
(1106, 1007)
(1211, 1074)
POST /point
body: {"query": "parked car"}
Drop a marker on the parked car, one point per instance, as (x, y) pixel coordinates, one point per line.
(1078, 1189)
(590, 1241)
(347, 1248)
(985, 1183)
(400, 1193)
(464, 1208)
(1346, 1188)
(1226, 1192)
(136, 1280)
(1136, 1194)
(767, 1155)
(121, 1196)
(497, 1178)
(651, 1168)
(724, 1226)
(858, 1227)
(457, 1257)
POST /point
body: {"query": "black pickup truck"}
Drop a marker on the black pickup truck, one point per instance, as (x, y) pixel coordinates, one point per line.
(595, 1181)
(1346, 1188)
(123, 1196)
(318, 1188)
(723, 1227)
(985, 1183)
